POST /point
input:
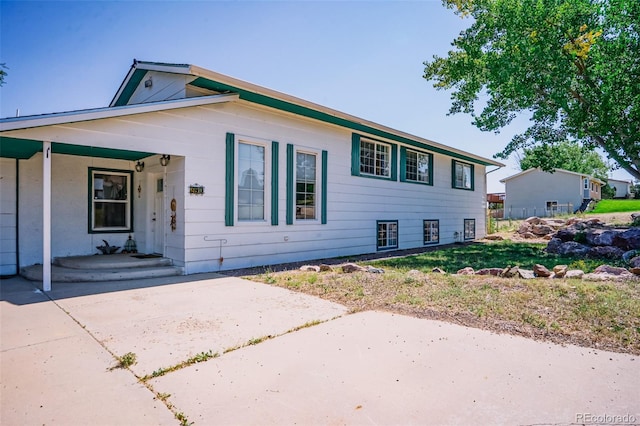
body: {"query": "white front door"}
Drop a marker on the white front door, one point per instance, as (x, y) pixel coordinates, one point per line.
(157, 215)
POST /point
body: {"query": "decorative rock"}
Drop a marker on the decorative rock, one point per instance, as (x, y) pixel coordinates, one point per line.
(628, 240)
(566, 234)
(541, 271)
(635, 262)
(560, 270)
(526, 274)
(490, 271)
(534, 220)
(529, 235)
(466, 271)
(635, 271)
(611, 270)
(542, 229)
(348, 268)
(324, 268)
(310, 268)
(509, 272)
(373, 270)
(572, 248)
(628, 255)
(605, 252)
(574, 273)
(438, 271)
(553, 245)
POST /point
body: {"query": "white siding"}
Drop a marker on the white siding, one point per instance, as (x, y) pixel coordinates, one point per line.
(8, 217)
(195, 139)
(527, 194)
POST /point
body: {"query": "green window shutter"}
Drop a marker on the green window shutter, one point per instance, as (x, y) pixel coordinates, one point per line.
(394, 162)
(473, 178)
(323, 206)
(403, 164)
(275, 149)
(229, 181)
(453, 173)
(430, 169)
(290, 194)
(355, 155)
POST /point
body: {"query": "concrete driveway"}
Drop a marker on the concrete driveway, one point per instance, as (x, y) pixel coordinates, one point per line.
(284, 358)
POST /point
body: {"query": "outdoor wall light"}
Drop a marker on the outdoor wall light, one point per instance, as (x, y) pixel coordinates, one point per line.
(148, 83)
(139, 166)
(164, 160)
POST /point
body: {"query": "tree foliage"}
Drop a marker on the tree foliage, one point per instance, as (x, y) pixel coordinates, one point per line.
(3, 73)
(565, 155)
(571, 64)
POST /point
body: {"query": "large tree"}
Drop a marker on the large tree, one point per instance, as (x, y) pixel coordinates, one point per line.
(564, 155)
(573, 65)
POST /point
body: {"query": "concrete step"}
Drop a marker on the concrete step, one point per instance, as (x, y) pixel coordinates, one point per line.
(112, 261)
(69, 275)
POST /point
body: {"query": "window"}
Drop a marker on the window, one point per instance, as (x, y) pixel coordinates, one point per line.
(416, 166)
(375, 158)
(431, 231)
(387, 235)
(251, 169)
(305, 186)
(469, 229)
(110, 203)
(462, 175)
(552, 206)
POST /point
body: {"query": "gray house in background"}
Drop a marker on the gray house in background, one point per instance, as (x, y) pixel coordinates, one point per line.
(621, 187)
(535, 192)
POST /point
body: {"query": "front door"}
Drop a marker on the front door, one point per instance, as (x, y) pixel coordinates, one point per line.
(157, 215)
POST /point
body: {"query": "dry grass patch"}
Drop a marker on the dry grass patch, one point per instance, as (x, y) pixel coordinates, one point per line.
(604, 315)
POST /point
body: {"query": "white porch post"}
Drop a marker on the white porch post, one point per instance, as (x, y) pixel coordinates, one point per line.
(46, 216)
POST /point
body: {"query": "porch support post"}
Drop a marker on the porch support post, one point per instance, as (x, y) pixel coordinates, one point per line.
(46, 216)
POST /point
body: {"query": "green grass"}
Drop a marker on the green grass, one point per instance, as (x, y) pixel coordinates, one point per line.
(487, 255)
(616, 206)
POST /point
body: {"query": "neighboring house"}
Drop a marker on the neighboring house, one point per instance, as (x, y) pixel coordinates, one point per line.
(217, 173)
(622, 188)
(495, 202)
(534, 192)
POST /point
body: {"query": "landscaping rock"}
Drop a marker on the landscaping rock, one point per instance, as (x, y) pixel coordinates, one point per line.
(533, 220)
(466, 271)
(541, 271)
(635, 271)
(611, 270)
(529, 235)
(566, 234)
(628, 240)
(572, 248)
(605, 252)
(560, 270)
(325, 268)
(509, 272)
(526, 274)
(553, 245)
(349, 268)
(310, 268)
(574, 273)
(438, 271)
(490, 271)
(628, 255)
(600, 237)
(635, 262)
(373, 270)
(542, 229)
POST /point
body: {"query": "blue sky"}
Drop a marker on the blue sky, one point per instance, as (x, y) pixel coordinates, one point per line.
(363, 58)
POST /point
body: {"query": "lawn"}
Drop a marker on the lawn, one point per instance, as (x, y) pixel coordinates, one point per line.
(603, 315)
(616, 206)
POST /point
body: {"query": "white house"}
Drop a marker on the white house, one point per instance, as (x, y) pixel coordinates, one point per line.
(622, 188)
(534, 192)
(215, 173)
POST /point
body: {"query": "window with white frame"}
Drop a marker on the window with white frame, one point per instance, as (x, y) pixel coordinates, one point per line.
(552, 206)
(251, 179)
(431, 230)
(418, 166)
(462, 175)
(110, 204)
(387, 235)
(375, 158)
(469, 229)
(306, 185)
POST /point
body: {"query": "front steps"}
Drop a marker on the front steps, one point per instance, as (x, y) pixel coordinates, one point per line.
(114, 267)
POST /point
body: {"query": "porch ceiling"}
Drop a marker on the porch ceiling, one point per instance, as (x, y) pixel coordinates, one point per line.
(27, 148)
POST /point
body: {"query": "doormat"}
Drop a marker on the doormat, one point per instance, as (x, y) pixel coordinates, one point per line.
(146, 256)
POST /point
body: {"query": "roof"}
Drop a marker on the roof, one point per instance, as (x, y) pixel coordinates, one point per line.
(526, 172)
(226, 89)
(206, 79)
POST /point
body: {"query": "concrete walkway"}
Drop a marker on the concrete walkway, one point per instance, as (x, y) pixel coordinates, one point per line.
(310, 362)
